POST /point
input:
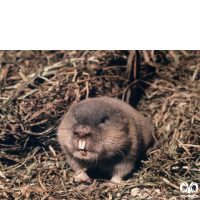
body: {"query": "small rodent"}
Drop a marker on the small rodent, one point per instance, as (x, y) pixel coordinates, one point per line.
(104, 133)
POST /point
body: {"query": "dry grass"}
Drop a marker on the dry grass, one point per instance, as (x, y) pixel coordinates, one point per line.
(37, 88)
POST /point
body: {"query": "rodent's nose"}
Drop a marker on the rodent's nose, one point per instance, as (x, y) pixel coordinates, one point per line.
(82, 132)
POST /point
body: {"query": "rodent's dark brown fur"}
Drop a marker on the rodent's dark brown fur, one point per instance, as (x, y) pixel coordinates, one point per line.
(115, 134)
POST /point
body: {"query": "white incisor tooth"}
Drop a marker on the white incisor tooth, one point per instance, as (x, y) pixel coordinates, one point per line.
(81, 144)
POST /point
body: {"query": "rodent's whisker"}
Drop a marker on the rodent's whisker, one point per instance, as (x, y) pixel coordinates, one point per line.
(95, 162)
(119, 152)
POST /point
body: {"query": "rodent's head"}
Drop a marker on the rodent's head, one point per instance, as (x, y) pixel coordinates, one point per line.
(93, 130)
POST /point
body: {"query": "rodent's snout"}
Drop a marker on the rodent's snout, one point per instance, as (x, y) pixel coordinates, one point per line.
(82, 135)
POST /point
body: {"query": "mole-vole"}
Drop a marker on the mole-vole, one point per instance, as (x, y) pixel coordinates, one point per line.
(106, 134)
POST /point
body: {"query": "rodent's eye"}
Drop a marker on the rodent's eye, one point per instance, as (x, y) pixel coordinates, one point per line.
(104, 119)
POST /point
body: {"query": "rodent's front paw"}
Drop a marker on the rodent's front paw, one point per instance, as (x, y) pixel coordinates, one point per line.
(81, 177)
(116, 179)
